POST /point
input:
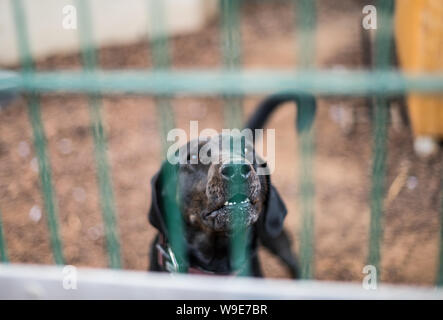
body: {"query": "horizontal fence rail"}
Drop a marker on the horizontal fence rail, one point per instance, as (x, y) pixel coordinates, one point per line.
(47, 282)
(215, 82)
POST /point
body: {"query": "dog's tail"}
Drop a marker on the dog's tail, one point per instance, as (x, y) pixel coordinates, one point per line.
(306, 107)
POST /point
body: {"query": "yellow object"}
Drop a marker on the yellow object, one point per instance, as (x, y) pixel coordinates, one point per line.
(419, 39)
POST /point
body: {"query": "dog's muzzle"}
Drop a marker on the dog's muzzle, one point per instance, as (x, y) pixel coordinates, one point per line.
(238, 194)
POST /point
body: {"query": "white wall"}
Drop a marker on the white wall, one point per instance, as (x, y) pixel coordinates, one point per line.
(115, 22)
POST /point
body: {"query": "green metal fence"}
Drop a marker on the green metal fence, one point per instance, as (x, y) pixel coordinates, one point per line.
(231, 82)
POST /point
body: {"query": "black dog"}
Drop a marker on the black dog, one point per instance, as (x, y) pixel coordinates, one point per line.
(203, 196)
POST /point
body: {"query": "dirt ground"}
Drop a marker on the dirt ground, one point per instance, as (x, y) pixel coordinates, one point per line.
(342, 161)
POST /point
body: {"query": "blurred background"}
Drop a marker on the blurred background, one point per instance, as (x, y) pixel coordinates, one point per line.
(343, 136)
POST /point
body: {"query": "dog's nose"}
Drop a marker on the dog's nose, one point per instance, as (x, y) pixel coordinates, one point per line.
(235, 171)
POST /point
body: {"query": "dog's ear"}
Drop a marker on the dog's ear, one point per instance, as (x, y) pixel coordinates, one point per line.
(275, 213)
(275, 209)
(162, 184)
(155, 214)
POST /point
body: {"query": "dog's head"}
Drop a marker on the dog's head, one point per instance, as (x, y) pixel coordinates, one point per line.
(215, 182)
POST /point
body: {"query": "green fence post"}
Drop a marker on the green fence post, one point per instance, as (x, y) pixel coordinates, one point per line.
(100, 141)
(38, 132)
(230, 11)
(305, 13)
(3, 246)
(161, 59)
(306, 197)
(239, 251)
(383, 46)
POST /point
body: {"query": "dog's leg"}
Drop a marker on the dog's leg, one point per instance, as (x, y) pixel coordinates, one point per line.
(153, 257)
(281, 247)
(256, 270)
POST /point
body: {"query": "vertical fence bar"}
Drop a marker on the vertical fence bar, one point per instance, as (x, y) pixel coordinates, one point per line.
(100, 141)
(306, 195)
(230, 11)
(232, 57)
(38, 132)
(161, 59)
(3, 247)
(383, 46)
(240, 262)
(305, 14)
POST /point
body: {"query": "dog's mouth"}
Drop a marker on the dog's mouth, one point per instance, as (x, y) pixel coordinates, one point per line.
(238, 211)
(238, 199)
